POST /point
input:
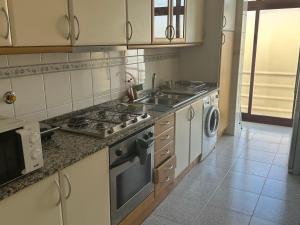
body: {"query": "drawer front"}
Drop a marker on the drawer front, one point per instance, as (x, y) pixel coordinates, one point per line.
(163, 139)
(165, 175)
(163, 172)
(164, 153)
(164, 124)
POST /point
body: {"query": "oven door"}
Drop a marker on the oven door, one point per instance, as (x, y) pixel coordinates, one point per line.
(11, 156)
(131, 183)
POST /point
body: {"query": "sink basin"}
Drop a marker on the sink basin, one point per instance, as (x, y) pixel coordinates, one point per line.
(169, 100)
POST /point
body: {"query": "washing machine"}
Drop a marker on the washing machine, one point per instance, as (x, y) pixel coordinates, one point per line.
(211, 121)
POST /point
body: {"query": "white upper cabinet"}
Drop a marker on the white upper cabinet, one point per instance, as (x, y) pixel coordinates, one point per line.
(99, 22)
(86, 187)
(196, 130)
(139, 21)
(194, 21)
(229, 15)
(5, 37)
(36, 205)
(39, 22)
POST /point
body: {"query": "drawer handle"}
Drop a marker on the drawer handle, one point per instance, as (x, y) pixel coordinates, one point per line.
(166, 180)
(165, 123)
(167, 137)
(166, 153)
(69, 186)
(171, 167)
(59, 194)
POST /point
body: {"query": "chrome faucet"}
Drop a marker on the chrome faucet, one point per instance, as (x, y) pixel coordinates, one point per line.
(153, 82)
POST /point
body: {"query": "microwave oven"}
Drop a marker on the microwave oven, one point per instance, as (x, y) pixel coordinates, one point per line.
(20, 148)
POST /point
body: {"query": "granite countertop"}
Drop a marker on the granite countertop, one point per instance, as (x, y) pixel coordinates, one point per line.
(65, 149)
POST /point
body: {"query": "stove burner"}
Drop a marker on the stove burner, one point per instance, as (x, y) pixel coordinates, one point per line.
(78, 122)
(124, 117)
(102, 114)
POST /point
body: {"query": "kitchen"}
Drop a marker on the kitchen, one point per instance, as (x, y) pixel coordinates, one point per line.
(112, 108)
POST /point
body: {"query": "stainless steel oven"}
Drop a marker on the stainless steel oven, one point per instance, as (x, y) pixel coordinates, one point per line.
(131, 166)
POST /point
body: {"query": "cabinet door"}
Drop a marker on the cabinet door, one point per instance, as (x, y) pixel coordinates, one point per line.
(34, 205)
(99, 22)
(139, 21)
(182, 139)
(5, 38)
(178, 16)
(39, 22)
(196, 130)
(161, 21)
(225, 80)
(87, 184)
(195, 21)
(229, 15)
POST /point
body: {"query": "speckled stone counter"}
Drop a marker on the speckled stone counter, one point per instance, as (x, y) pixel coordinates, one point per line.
(65, 149)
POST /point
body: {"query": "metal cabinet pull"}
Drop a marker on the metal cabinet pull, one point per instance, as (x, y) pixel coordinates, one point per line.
(193, 112)
(224, 21)
(168, 33)
(59, 195)
(6, 36)
(167, 137)
(166, 180)
(170, 167)
(69, 27)
(165, 123)
(78, 27)
(166, 153)
(190, 114)
(69, 187)
(131, 31)
(173, 32)
(223, 38)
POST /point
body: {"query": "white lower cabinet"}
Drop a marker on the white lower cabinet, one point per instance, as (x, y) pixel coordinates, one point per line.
(35, 205)
(188, 135)
(77, 195)
(86, 187)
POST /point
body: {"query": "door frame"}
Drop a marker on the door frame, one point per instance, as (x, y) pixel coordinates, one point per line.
(257, 6)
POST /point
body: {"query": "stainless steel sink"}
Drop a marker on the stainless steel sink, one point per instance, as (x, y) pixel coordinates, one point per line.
(169, 100)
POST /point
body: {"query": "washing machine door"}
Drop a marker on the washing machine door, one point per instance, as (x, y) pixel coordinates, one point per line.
(212, 121)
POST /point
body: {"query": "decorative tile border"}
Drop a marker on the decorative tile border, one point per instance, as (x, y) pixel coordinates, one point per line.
(20, 71)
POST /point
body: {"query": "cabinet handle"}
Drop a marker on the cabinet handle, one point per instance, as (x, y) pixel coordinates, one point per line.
(166, 180)
(165, 153)
(59, 195)
(170, 167)
(167, 33)
(69, 27)
(6, 36)
(167, 137)
(78, 27)
(165, 123)
(193, 112)
(173, 32)
(69, 186)
(224, 21)
(223, 38)
(131, 31)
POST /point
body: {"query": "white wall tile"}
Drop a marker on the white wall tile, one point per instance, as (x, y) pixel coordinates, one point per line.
(79, 56)
(35, 116)
(116, 54)
(24, 59)
(30, 94)
(131, 52)
(77, 105)
(132, 71)
(57, 89)
(101, 82)
(3, 61)
(59, 110)
(101, 99)
(5, 109)
(117, 76)
(99, 55)
(82, 87)
(54, 57)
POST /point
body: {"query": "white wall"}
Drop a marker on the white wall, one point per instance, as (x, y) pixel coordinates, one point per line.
(43, 96)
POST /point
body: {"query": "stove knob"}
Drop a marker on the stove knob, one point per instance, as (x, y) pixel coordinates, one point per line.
(145, 136)
(144, 116)
(135, 120)
(124, 124)
(150, 134)
(110, 131)
(119, 152)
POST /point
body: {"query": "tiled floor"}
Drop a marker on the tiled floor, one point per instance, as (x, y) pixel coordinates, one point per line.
(244, 181)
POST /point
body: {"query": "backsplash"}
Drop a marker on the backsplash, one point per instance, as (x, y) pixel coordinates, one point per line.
(49, 85)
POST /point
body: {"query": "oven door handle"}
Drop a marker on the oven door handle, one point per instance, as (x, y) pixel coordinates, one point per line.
(130, 158)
